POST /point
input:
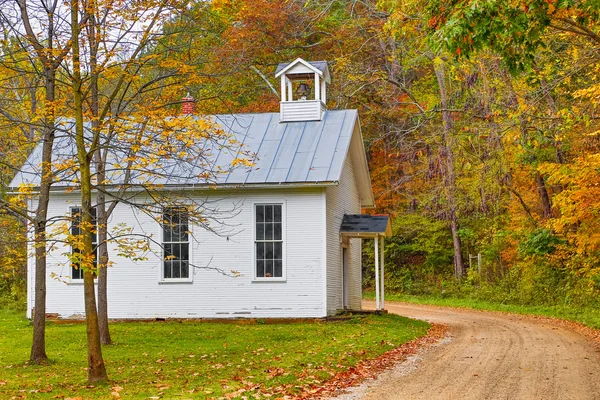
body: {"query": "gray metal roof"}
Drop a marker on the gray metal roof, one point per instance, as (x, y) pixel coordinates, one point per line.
(320, 65)
(284, 153)
(366, 225)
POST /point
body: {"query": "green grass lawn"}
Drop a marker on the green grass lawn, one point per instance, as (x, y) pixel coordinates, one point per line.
(586, 316)
(195, 359)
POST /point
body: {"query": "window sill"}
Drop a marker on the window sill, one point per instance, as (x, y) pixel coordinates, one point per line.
(269, 280)
(175, 280)
(79, 282)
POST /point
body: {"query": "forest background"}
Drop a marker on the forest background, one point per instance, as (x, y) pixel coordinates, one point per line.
(479, 120)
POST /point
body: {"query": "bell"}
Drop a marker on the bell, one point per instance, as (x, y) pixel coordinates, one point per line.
(303, 91)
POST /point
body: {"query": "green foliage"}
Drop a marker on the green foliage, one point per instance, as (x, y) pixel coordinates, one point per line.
(515, 31)
(541, 242)
(417, 255)
(196, 360)
(13, 295)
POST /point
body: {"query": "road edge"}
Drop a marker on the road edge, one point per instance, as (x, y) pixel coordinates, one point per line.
(591, 333)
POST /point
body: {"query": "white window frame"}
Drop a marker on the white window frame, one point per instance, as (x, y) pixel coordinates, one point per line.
(80, 280)
(162, 278)
(283, 276)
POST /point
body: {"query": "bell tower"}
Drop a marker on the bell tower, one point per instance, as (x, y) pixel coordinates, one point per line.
(303, 90)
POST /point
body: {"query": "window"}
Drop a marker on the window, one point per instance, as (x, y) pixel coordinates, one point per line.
(176, 244)
(269, 241)
(76, 272)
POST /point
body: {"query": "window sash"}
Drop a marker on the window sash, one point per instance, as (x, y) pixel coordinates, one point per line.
(175, 242)
(268, 241)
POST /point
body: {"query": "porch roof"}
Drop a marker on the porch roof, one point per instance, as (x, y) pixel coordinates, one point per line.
(366, 225)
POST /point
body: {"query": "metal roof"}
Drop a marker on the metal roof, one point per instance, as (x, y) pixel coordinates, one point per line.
(366, 225)
(320, 65)
(284, 153)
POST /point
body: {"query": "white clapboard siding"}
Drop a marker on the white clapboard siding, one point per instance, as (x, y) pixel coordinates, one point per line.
(135, 290)
(355, 275)
(342, 199)
(301, 110)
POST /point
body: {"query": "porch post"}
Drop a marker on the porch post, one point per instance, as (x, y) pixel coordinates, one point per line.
(377, 272)
(382, 268)
(290, 95)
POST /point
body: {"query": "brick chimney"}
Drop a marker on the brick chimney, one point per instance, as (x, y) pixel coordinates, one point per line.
(188, 105)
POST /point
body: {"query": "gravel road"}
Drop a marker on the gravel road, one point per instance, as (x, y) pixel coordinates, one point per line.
(490, 356)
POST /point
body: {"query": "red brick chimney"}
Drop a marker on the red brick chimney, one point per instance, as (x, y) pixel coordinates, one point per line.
(188, 105)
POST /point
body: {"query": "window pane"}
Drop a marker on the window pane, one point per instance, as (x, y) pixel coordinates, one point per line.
(75, 221)
(184, 228)
(277, 250)
(168, 251)
(185, 252)
(277, 232)
(95, 225)
(176, 251)
(185, 269)
(277, 213)
(278, 268)
(167, 268)
(268, 231)
(166, 228)
(260, 269)
(176, 269)
(268, 251)
(175, 234)
(268, 213)
(260, 231)
(174, 217)
(260, 213)
(260, 251)
(269, 268)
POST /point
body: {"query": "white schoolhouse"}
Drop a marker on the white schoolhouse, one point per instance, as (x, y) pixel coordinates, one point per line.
(294, 255)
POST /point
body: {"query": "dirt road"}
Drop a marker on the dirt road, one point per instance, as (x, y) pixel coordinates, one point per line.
(491, 356)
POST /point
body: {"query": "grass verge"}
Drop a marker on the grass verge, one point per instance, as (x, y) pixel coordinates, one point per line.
(586, 316)
(196, 359)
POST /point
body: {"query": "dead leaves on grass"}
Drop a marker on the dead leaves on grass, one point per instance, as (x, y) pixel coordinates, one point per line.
(371, 367)
(352, 376)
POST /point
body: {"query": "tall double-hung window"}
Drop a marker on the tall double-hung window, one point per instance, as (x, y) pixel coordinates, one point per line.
(76, 271)
(269, 240)
(176, 244)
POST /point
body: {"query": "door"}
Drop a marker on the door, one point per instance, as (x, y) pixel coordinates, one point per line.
(345, 276)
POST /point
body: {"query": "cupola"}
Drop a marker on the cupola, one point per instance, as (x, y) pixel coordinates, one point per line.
(303, 90)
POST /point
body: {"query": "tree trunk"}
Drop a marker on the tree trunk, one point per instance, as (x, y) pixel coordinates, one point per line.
(539, 179)
(459, 269)
(544, 197)
(447, 164)
(96, 368)
(38, 347)
(102, 269)
(102, 216)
